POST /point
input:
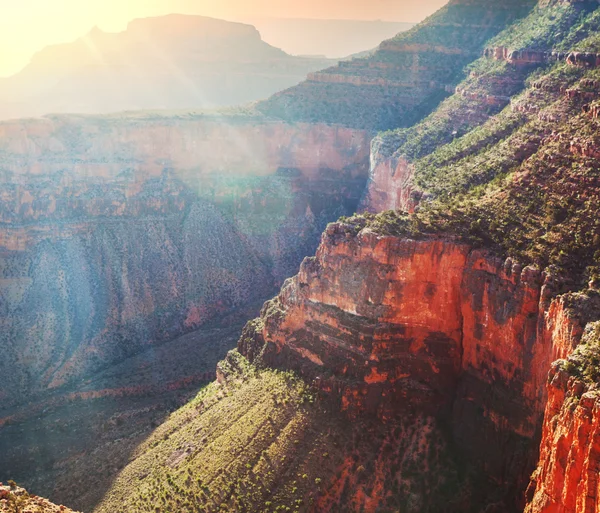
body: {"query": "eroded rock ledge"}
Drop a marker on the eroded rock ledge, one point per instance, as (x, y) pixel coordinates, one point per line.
(528, 57)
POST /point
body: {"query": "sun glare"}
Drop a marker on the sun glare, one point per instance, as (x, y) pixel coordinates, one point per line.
(27, 26)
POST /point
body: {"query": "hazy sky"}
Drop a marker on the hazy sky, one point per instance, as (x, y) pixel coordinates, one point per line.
(28, 25)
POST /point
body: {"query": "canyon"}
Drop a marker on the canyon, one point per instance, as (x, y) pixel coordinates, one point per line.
(438, 353)
(108, 236)
(405, 78)
(122, 234)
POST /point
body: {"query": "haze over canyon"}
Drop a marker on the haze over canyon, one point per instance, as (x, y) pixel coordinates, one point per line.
(373, 286)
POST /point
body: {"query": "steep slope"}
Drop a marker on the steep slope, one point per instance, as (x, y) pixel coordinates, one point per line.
(436, 329)
(433, 330)
(408, 163)
(121, 233)
(531, 177)
(260, 440)
(169, 62)
(406, 77)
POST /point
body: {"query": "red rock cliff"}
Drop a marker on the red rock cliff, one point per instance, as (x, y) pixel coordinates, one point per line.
(431, 328)
(566, 478)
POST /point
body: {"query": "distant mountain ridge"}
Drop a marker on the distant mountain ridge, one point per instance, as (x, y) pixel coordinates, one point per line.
(168, 62)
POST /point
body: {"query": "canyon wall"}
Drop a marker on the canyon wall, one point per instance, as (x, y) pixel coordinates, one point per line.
(495, 82)
(406, 77)
(431, 330)
(119, 233)
(566, 477)
(391, 182)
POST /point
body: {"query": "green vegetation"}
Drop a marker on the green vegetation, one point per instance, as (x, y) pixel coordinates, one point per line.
(489, 83)
(583, 35)
(500, 144)
(520, 175)
(15, 503)
(440, 28)
(386, 90)
(584, 363)
(263, 441)
(543, 28)
(525, 183)
(254, 443)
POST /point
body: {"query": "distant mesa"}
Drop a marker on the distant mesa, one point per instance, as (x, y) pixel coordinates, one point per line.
(168, 62)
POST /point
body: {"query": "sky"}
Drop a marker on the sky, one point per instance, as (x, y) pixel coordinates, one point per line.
(27, 26)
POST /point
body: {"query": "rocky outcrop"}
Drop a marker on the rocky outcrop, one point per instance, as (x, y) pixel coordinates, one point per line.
(593, 109)
(528, 57)
(397, 327)
(14, 498)
(390, 185)
(566, 478)
(117, 234)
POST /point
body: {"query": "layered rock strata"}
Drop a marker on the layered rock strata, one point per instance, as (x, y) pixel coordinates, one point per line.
(406, 77)
(120, 233)
(528, 57)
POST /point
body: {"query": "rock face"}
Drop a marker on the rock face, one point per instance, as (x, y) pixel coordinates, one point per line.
(390, 185)
(169, 62)
(528, 57)
(120, 233)
(430, 329)
(566, 478)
